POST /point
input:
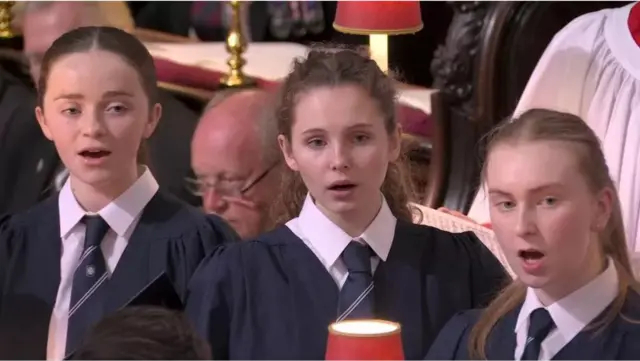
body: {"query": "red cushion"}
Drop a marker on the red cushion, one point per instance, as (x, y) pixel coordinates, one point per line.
(413, 120)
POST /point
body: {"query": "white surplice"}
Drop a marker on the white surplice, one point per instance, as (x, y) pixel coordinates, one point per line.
(592, 69)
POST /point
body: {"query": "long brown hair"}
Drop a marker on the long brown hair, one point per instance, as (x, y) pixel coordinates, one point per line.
(547, 125)
(336, 68)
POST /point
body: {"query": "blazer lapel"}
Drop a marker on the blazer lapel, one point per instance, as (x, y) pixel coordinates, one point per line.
(502, 340)
(26, 313)
(399, 293)
(140, 263)
(36, 178)
(313, 292)
(597, 343)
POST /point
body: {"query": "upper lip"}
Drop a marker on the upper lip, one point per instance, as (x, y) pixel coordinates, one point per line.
(94, 149)
(529, 250)
(341, 183)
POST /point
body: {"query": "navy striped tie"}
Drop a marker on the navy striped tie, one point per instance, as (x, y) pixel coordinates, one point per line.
(356, 297)
(540, 324)
(85, 307)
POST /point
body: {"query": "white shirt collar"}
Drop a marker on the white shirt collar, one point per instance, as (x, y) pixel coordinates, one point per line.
(330, 240)
(119, 213)
(575, 311)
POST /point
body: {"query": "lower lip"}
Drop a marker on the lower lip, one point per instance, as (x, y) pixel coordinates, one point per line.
(342, 193)
(94, 161)
(532, 266)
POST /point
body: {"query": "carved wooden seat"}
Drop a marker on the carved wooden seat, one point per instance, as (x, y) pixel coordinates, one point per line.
(490, 51)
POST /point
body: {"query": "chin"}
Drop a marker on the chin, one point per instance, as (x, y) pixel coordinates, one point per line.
(534, 281)
(95, 178)
(339, 207)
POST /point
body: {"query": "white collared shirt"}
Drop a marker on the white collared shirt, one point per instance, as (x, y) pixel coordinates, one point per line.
(327, 240)
(122, 216)
(570, 315)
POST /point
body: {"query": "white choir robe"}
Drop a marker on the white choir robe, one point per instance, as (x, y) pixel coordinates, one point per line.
(591, 69)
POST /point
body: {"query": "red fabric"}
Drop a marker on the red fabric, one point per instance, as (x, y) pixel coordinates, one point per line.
(634, 23)
(194, 76)
(413, 121)
(381, 16)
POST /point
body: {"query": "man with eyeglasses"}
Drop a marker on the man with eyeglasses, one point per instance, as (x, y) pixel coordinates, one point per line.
(235, 157)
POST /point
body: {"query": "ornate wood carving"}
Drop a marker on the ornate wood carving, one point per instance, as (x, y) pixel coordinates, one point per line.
(453, 69)
(454, 62)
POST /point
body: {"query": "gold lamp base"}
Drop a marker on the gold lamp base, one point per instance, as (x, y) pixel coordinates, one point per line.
(236, 45)
(5, 19)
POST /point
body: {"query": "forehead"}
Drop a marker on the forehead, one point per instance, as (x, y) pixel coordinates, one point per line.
(334, 108)
(91, 73)
(525, 166)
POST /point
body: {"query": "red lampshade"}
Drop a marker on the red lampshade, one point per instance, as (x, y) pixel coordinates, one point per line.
(364, 340)
(378, 17)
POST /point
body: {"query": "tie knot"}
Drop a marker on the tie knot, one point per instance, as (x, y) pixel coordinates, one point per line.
(97, 228)
(357, 257)
(540, 324)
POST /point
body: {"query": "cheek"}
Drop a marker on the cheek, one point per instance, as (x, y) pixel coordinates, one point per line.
(308, 161)
(127, 130)
(373, 160)
(62, 131)
(504, 227)
(565, 228)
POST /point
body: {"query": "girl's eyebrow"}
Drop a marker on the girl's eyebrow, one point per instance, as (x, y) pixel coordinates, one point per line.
(108, 94)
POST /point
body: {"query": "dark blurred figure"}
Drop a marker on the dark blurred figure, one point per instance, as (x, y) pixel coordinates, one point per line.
(299, 21)
(17, 124)
(143, 333)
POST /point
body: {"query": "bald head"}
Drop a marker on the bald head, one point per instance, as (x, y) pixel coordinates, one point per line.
(235, 143)
(234, 126)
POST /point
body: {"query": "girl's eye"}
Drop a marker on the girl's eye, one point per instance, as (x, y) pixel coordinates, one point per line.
(316, 143)
(506, 205)
(119, 108)
(362, 138)
(71, 111)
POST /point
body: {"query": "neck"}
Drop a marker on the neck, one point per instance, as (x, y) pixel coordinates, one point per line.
(556, 291)
(94, 197)
(355, 222)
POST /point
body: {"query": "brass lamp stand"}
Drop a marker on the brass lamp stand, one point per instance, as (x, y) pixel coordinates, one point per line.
(236, 45)
(5, 19)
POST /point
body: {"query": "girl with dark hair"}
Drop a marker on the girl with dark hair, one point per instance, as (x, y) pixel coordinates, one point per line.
(85, 252)
(344, 245)
(556, 215)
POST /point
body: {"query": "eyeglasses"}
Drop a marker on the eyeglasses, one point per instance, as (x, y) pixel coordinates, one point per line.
(224, 187)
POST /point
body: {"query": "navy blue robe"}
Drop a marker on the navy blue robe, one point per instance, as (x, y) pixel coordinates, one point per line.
(171, 237)
(620, 340)
(272, 298)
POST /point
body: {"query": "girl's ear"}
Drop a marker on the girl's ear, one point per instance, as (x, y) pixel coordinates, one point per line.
(603, 209)
(154, 117)
(285, 147)
(43, 123)
(395, 143)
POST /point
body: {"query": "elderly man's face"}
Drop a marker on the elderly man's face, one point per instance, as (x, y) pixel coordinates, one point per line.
(226, 156)
(42, 27)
